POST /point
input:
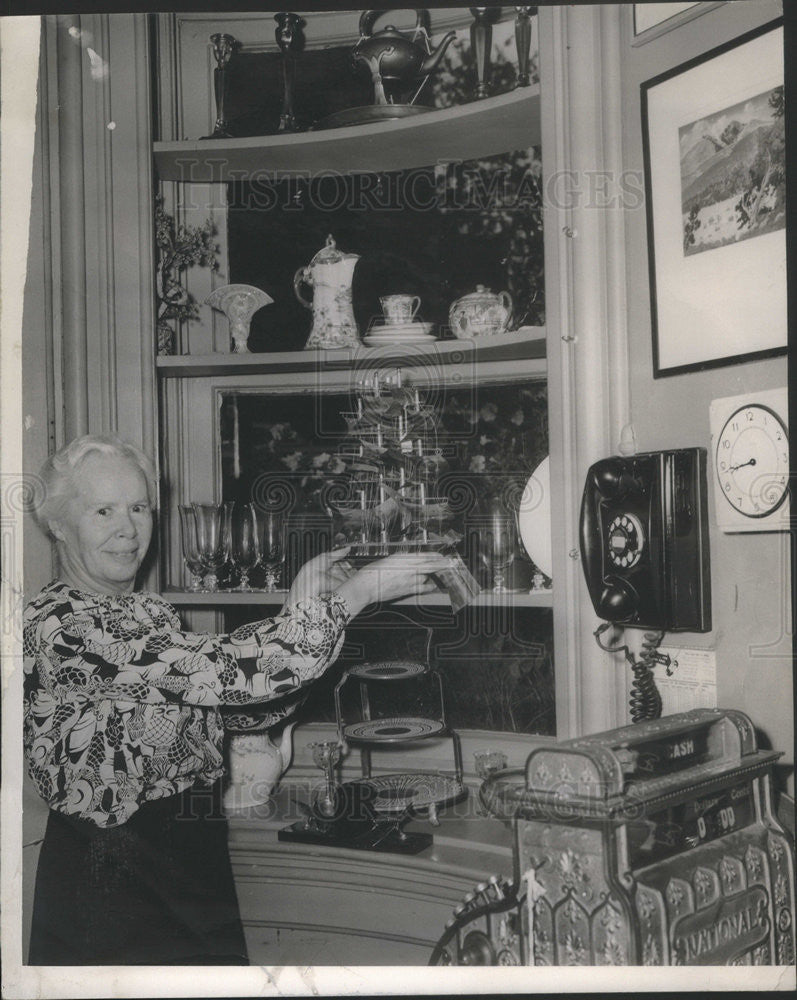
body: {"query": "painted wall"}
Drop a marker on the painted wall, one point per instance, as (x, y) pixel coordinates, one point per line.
(749, 572)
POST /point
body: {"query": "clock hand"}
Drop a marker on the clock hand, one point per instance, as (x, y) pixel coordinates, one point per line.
(733, 468)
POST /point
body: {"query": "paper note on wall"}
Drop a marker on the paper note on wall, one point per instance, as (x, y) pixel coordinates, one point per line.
(692, 683)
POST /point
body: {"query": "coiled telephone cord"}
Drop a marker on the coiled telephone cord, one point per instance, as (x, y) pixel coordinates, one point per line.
(645, 700)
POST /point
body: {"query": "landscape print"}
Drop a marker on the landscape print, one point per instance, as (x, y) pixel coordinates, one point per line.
(733, 173)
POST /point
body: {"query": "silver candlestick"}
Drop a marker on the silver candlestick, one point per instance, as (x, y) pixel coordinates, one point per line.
(523, 43)
(326, 754)
(481, 40)
(289, 39)
(223, 48)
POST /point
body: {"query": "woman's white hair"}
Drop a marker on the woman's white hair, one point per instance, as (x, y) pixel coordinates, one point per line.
(59, 471)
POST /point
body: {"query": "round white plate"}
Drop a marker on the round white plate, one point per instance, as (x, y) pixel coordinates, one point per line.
(399, 330)
(400, 336)
(534, 518)
(384, 341)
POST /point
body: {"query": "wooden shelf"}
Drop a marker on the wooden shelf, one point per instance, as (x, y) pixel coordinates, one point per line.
(229, 598)
(482, 128)
(527, 345)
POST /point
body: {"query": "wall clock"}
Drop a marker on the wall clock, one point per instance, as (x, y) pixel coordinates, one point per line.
(750, 453)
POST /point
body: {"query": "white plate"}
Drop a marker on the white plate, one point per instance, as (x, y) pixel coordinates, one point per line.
(400, 329)
(386, 341)
(401, 336)
(534, 518)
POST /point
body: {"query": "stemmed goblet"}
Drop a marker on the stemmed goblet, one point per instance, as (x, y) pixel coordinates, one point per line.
(244, 543)
(213, 538)
(271, 545)
(195, 565)
(497, 545)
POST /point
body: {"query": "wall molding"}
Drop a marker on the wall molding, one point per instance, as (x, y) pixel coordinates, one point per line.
(587, 338)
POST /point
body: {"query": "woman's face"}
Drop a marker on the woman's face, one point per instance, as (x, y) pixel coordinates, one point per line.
(105, 529)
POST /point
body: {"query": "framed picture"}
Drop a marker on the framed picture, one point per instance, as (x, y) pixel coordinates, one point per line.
(652, 20)
(714, 149)
(648, 15)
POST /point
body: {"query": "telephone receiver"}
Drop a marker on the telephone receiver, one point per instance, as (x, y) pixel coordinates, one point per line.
(644, 540)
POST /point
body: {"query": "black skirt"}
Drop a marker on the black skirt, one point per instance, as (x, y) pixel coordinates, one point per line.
(157, 890)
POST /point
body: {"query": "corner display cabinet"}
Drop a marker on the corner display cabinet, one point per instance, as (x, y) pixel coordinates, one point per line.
(428, 202)
(435, 204)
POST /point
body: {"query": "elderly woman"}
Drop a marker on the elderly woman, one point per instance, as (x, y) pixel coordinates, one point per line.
(123, 731)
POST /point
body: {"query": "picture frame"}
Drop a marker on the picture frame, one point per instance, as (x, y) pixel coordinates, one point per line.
(714, 162)
(649, 21)
(650, 15)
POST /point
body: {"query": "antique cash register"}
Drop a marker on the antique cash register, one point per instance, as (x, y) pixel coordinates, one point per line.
(653, 844)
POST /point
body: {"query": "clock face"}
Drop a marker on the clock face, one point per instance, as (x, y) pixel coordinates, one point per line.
(752, 460)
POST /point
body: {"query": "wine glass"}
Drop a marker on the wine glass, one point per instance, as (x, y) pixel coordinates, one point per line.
(271, 545)
(213, 538)
(244, 543)
(497, 545)
(190, 549)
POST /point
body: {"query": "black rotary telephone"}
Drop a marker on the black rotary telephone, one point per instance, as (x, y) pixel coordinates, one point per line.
(644, 547)
(644, 540)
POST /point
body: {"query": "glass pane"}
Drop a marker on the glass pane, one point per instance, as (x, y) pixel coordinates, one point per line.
(327, 81)
(497, 668)
(435, 232)
(284, 451)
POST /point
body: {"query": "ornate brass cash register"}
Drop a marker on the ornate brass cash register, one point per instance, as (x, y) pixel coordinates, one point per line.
(653, 844)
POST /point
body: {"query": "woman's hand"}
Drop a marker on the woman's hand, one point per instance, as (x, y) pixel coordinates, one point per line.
(400, 575)
(321, 575)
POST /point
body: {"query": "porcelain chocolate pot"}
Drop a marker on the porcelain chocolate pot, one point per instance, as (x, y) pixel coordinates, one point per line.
(329, 274)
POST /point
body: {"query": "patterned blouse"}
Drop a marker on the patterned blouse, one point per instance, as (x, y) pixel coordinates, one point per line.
(122, 706)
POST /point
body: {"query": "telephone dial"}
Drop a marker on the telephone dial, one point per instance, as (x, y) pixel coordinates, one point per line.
(644, 540)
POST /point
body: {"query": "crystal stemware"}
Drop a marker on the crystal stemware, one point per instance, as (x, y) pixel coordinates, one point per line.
(196, 567)
(271, 545)
(497, 546)
(213, 538)
(244, 543)
(326, 754)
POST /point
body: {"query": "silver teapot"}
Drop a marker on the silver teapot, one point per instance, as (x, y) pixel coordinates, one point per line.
(395, 60)
(480, 314)
(330, 274)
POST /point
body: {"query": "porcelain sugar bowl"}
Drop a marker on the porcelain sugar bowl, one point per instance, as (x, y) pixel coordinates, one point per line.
(480, 314)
